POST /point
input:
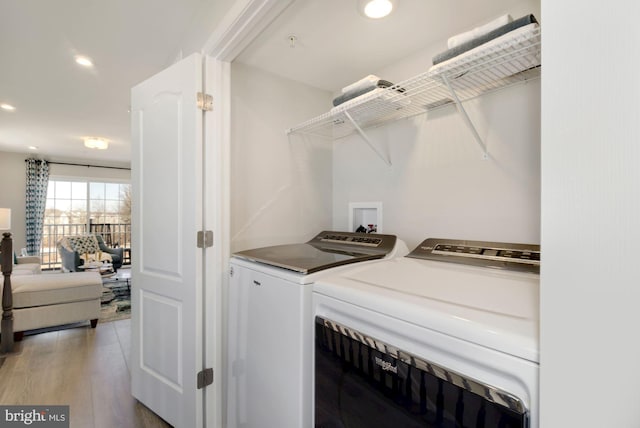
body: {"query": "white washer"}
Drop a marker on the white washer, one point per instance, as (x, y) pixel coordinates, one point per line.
(468, 329)
(271, 324)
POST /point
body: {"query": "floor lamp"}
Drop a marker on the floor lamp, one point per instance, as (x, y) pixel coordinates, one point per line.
(6, 251)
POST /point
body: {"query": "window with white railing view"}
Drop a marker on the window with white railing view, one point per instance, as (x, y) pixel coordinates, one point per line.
(80, 207)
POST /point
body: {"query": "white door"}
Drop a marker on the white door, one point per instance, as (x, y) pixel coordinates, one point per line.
(167, 267)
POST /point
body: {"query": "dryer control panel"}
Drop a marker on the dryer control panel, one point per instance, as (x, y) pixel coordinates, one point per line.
(501, 255)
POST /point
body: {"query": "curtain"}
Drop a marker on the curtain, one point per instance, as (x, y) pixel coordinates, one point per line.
(37, 183)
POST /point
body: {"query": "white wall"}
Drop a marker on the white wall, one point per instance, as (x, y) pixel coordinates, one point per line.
(438, 184)
(13, 180)
(93, 173)
(590, 345)
(12, 194)
(280, 188)
(204, 22)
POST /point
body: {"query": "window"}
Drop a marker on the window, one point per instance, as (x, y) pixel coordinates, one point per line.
(110, 202)
(76, 207)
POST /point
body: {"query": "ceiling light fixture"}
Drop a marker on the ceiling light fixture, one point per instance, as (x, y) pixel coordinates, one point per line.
(84, 61)
(33, 147)
(377, 9)
(96, 143)
(7, 107)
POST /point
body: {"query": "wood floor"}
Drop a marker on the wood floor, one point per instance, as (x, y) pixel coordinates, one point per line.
(85, 368)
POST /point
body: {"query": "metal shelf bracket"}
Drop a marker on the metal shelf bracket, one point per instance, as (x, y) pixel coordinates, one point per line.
(466, 119)
(366, 139)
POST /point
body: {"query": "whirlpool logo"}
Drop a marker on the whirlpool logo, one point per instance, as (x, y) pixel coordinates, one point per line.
(35, 416)
(386, 365)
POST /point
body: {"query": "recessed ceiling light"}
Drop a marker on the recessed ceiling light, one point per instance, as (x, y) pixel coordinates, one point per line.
(96, 143)
(84, 61)
(33, 147)
(376, 9)
(7, 107)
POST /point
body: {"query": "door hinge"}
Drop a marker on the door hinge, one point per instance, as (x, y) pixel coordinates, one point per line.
(205, 239)
(205, 378)
(205, 102)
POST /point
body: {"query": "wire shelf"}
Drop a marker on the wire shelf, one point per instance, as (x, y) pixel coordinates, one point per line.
(485, 69)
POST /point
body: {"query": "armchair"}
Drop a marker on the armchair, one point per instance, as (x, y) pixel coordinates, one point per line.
(75, 249)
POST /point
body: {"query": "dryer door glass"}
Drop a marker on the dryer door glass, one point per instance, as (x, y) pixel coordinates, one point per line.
(362, 382)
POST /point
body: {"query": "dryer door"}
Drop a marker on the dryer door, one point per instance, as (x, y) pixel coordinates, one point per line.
(362, 382)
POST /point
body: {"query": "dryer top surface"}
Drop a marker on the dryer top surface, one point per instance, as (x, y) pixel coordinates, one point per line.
(493, 308)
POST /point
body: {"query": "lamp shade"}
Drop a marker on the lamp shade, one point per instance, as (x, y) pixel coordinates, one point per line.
(5, 218)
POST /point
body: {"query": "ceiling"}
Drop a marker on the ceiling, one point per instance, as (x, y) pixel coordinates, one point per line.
(336, 45)
(59, 102)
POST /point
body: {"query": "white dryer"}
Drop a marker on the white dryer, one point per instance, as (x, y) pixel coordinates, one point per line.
(445, 337)
(270, 333)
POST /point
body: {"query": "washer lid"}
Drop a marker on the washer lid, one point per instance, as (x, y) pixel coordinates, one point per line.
(324, 251)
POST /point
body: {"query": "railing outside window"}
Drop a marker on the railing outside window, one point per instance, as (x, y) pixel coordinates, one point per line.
(114, 234)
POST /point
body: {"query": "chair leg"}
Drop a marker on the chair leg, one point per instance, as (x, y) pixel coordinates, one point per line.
(94, 322)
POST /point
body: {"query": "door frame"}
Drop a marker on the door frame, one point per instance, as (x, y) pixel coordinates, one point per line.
(244, 21)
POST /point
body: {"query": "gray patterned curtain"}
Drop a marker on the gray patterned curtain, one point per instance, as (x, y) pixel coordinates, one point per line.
(37, 183)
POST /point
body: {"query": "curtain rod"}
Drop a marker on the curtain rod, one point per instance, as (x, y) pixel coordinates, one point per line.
(88, 166)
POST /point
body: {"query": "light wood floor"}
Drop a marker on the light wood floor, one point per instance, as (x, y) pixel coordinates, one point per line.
(85, 368)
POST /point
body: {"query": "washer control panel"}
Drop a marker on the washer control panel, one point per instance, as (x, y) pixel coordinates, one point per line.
(369, 243)
(352, 239)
